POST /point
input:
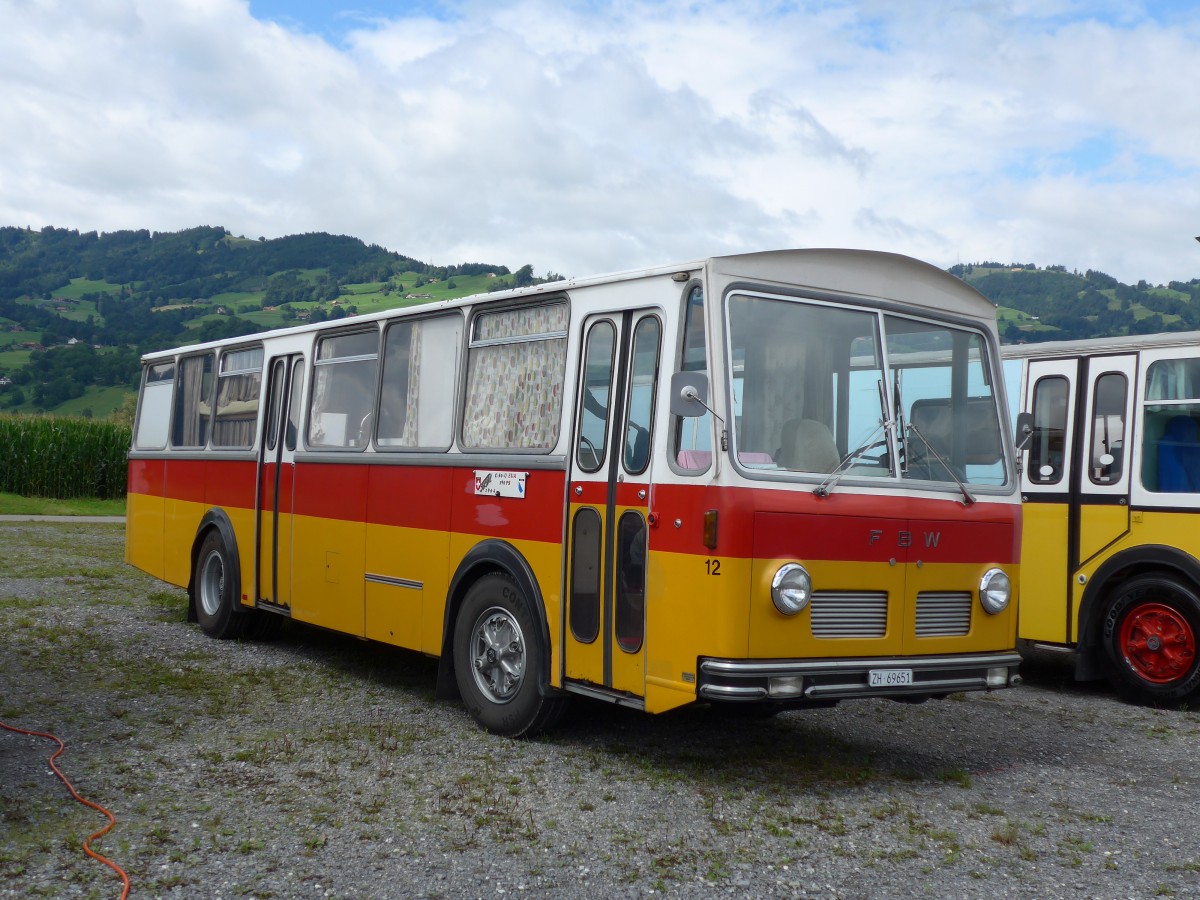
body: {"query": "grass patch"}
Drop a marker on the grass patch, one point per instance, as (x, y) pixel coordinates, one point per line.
(16, 505)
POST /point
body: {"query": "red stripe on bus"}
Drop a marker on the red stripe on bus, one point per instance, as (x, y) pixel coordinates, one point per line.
(537, 517)
(147, 476)
(595, 493)
(754, 521)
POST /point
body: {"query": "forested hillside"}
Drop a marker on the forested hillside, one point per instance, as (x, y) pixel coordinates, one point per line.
(77, 309)
(1054, 304)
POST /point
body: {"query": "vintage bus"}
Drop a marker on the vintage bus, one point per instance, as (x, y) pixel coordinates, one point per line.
(1110, 478)
(780, 478)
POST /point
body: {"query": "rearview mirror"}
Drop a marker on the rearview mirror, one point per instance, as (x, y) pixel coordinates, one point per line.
(689, 394)
(1024, 430)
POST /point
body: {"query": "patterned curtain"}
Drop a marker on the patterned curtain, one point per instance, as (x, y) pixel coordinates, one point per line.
(515, 385)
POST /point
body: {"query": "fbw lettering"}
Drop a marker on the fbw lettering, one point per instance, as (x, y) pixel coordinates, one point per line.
(906, 538)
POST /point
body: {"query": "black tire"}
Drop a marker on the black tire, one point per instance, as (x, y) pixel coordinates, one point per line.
(499, 655)
(216, 590)
(1151, 631)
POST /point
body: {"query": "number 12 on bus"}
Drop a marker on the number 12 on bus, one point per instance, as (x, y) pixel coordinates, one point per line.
(775, 478)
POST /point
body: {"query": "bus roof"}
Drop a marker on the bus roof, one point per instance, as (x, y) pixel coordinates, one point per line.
(1092, 346)
(863, 273)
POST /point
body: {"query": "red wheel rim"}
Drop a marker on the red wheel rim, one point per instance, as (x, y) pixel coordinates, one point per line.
(1158, 643)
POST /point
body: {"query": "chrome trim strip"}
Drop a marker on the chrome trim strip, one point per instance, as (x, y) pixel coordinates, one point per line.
(728, 691)
(396, 457)
(940, 686)
(394, 582)
(762, 668)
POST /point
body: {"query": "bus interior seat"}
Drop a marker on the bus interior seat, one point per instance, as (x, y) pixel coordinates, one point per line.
(1178, 454)
(1108, 436)
(694, 459)
(808, 446)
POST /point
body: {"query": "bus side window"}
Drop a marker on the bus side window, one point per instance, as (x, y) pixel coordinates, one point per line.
(1108, 428)
(1049, 430)
(1171, 432)
(193, 402)
(238, 387)
(692, 448)
(596, 388)
(639, 410)
(154, 410)
(515, 368)
(343, 395)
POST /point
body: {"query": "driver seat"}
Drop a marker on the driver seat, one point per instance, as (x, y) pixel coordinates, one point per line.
(808, 446)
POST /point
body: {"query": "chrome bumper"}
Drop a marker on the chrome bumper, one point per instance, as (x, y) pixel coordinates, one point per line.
(843, 679)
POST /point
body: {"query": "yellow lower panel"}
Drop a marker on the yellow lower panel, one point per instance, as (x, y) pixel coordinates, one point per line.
(1043, 608)
(144, 533)
(160, 542)
(695, 606)
(1099, 526)
(327, 573)
(403, 615)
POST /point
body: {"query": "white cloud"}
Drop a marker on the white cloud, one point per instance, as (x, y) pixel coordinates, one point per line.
(596, 136)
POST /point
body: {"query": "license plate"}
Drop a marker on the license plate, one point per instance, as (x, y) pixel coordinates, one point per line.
(889, 677)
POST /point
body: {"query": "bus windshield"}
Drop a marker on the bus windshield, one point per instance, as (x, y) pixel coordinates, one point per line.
(819, 389)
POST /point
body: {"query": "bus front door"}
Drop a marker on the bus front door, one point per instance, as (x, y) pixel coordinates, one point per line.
(276, 476)
(609, 495)
(1046, 488)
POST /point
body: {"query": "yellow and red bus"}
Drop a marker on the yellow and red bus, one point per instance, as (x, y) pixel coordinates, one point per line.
(1111, 483)
(779, 478)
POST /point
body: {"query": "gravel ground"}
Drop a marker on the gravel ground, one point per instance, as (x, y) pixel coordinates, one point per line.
(320, 766)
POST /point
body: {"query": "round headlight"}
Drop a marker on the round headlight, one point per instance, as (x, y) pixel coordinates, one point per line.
(791, 588)
(995, 590)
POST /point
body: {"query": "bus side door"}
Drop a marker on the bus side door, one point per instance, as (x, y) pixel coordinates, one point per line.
(1050, 395)
(276, 476)
(1104, 472)
(609, 496)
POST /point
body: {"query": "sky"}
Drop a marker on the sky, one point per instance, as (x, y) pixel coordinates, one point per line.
(592, 136)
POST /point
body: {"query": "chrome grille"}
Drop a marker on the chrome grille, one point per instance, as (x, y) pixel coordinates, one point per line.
(849, 614)
(943, 613)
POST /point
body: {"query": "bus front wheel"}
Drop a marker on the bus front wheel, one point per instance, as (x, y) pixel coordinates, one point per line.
(1150, 633)
(498, 657)
(215, 590)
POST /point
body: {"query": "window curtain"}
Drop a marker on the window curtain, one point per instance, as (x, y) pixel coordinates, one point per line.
(237, 410)
(514, 395)
(191, 402)
(410, 436)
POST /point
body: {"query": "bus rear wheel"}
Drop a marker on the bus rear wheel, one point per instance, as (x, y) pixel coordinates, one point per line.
(499, 654)
(216, 589)
(1151, 633)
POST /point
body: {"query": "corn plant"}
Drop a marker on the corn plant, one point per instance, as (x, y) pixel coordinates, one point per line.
(62, 458)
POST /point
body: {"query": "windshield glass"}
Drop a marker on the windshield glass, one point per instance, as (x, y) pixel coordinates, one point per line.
(820, 389)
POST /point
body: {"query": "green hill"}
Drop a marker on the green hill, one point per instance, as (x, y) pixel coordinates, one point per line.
(78, 309)
(1053, 304)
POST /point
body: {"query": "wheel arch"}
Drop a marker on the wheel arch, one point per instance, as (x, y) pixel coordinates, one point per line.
(215, 519)
(1102, 587)
(487, 558)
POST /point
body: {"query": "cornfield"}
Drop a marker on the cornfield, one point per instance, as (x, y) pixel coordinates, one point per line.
(61, 458)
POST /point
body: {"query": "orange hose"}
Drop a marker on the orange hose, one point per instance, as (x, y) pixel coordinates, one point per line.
(87, 844)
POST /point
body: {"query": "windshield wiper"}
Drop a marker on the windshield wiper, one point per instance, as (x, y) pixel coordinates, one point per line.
(967, 498)
(885, 425)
